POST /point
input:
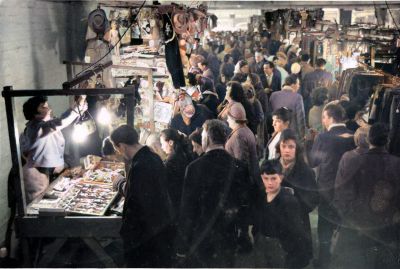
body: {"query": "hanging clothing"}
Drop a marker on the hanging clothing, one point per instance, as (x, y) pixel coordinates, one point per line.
(173, 57)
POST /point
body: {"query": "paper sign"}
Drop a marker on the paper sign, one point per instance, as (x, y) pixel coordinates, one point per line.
(162, 112)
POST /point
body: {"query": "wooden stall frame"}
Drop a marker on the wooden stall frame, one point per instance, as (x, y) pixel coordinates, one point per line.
(87, 228)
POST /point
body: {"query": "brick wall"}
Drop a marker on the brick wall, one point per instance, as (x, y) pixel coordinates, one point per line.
(35, 37)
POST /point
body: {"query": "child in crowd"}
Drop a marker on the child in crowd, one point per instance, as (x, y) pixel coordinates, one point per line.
(277, 221)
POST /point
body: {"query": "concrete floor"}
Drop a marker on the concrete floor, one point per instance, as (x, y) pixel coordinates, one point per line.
(76, 254)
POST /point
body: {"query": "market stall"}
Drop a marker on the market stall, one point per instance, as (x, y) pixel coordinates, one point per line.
(77, 204)
(148, 46)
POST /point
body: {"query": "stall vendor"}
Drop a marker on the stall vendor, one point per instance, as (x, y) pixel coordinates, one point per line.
(191, 115)
(42, 143)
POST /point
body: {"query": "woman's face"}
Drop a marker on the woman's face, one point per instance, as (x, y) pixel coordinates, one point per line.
(288, 150)
(279, 125)
(223, 79)
(167, 146)
(44, 112)
(245, 69)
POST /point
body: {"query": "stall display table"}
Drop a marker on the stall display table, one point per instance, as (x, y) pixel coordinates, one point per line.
(55, 224)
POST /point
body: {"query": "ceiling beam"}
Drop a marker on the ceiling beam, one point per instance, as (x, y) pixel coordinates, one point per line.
(255, 4)
(298, 4)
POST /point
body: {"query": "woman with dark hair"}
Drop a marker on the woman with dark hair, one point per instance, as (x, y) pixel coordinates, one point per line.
(179, 156)
(235, 94)
(351, 108)
(227, 67)
(242, 71)
(225, 75)
(195, 139)
(280, 121)
(301, 178)
(42, 143)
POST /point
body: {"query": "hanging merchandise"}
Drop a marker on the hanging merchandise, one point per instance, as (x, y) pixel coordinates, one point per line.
(295, 18)
(98, 24)
(359, 84)
(172, 54)
(304, 16)
(168, 30)
(144, 18)
(124, 19)
(114, 38)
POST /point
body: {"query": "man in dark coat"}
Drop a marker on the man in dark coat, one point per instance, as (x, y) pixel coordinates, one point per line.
(215, 196)
(214, 64)
(206, 71)
(368, 202)
(191, 116)
(147, 213)
(318, 78)
(257, 66)
(271, 77)
(346, 170)
(326, 152)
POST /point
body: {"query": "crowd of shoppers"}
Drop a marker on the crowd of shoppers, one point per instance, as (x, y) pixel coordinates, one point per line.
(270, 105)
(200, 197)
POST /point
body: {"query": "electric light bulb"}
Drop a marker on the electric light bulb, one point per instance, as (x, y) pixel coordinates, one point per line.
(80, 133)
(104, 116)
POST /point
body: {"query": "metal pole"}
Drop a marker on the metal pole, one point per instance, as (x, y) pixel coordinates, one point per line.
(151, 103)
(15, 151)
(130, 109)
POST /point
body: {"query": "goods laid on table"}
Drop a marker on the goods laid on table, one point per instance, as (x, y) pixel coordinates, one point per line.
(88, 199)
(79, 191)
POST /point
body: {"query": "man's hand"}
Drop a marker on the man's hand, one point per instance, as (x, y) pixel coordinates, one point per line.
(312, 133)
(117, 180)
(268, 90)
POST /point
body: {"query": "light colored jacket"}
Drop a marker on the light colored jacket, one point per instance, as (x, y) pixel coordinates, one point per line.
(294, 101)
(43, 141)
(242, 145)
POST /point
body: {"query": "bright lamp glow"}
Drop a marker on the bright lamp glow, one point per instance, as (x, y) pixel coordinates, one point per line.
(80, 133)
(104, 116)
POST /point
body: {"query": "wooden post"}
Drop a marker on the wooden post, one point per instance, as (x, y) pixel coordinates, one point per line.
(15, 152)
(151, 100)
(373, 50)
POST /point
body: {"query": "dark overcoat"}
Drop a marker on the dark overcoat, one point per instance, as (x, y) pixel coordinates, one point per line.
(204, 185)
(302, 180)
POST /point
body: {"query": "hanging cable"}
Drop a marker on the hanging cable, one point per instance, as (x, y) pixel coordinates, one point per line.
(111, 49)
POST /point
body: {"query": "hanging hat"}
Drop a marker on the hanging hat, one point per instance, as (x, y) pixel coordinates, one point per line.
(98, 21)
(180, 21)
